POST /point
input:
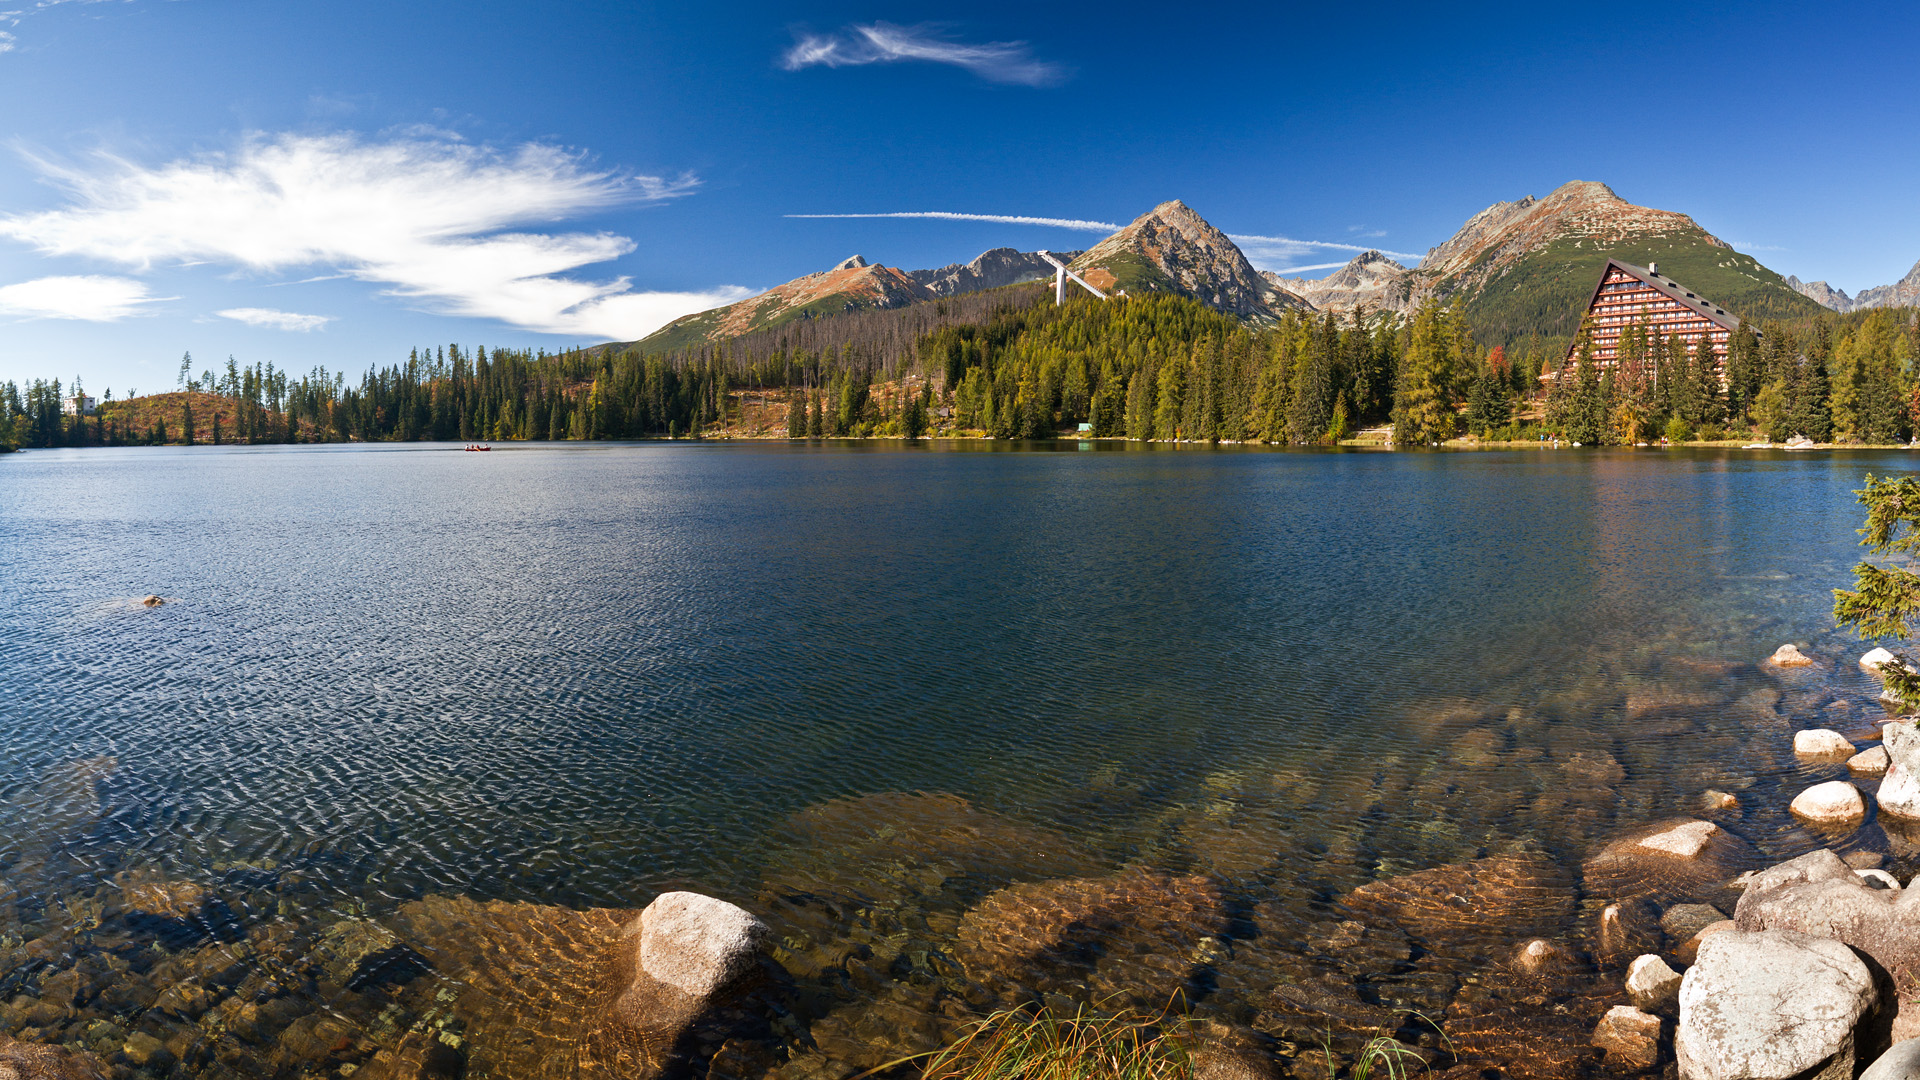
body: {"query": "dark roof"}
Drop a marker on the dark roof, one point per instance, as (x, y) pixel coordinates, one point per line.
(1673, 290)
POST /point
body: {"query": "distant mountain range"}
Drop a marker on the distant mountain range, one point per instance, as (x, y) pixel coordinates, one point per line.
(1519, 269)
(1902, 293)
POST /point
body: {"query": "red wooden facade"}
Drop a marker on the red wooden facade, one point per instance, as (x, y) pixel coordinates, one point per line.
(1628, 294)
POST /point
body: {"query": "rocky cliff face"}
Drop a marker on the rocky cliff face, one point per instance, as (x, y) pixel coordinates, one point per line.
(1172, 249)
(1370, 281)
(991, 270)
(1823, 294)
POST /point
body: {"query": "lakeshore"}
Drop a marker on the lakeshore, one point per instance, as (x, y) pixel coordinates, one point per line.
(379, 787)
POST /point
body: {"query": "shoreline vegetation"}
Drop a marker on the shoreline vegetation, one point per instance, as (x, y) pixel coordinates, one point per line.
(1008, 365)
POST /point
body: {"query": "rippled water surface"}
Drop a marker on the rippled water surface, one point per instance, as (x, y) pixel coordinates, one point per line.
(388, 681)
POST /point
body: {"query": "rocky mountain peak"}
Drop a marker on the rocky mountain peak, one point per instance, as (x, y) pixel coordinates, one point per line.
(1370, 279)
(1903, 293)
(853, 262)
(1823, 294)
(989, 270)
(1173, 249)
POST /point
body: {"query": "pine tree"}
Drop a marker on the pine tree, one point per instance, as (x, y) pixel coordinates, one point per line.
(1422, 411)
(1170, 393)
(796, 415)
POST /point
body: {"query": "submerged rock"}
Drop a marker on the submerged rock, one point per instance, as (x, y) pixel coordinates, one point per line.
(152, 601)
(1713, 801)
(1834, 803)
(1682, 921)
(33, 1061)
(1147, 930)
(1629, 1037)
(1540, 957)
(1769, 1006)
(1788, 656)
(1679, 859)
(1471, 906)
(1625, 930)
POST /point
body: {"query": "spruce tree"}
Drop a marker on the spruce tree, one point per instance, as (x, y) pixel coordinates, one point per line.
(1422, 411)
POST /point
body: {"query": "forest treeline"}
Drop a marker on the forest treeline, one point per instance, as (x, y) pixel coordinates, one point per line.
(1008, 364)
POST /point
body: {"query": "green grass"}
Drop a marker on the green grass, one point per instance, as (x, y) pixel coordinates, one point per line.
(1038, 1044)
(1137, 274)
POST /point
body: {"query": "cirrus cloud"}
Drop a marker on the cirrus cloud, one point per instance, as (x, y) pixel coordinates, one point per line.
(275, 320)
(81, 297)
(435, 221)
(885, 43)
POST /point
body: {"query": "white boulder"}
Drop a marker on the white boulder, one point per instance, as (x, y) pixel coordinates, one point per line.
(1899, 794)
(1835, 802)
(696, 944)
(1822, 743)
(1874, 659)
(1771, 1005)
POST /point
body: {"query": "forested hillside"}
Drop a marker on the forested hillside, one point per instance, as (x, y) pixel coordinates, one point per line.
(1007, 364)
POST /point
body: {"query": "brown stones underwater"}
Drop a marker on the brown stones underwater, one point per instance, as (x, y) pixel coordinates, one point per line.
(1517, 902)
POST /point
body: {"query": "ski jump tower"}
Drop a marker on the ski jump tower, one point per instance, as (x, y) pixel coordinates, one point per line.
(1060, 276)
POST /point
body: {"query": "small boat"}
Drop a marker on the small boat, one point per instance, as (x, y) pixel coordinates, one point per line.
(478, 446)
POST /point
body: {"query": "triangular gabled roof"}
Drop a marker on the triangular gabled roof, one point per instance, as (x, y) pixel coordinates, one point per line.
(1671, 288)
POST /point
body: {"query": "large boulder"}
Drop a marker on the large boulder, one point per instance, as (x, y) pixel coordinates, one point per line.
(33, 1061)
(1900, 788)
(1823, 897)
(1769, 1006)
(696, 944)
(1875, 659)
(1680, 859)
(1833, 804)
(683, 958)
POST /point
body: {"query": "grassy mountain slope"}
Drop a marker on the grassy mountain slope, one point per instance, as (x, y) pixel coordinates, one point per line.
(1546, 291)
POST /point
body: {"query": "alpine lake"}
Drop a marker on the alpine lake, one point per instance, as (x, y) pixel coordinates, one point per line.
(1300, 744)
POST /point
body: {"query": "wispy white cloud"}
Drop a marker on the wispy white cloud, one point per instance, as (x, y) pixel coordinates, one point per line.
(12, 18)
(1285, 255)
(1362, 230)
(83, 297)
(434, 220)
(885, 43)
(1003, 219)
(275, 320)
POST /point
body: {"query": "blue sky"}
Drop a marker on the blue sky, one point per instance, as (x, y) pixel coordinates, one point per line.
(334, 184)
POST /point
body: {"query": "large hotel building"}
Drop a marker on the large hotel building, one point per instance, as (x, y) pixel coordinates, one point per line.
(1628, 294)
